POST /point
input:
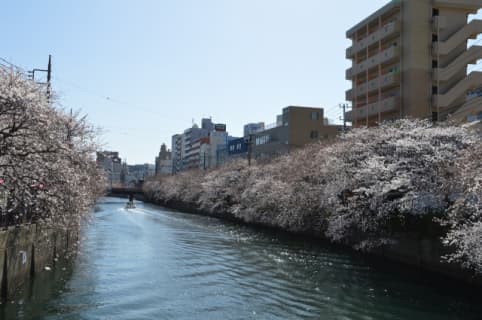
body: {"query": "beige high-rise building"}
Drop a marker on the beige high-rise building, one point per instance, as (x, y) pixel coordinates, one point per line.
(410, 58)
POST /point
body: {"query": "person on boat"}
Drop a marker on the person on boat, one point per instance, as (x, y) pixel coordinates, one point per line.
(131, 200)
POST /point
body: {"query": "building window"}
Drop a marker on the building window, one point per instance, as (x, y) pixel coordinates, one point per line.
(434, 38)
(314, 115)
(434, 64)
(314, 134)
(393, 69)
(262, 140)
(435, 12)
(434, 90)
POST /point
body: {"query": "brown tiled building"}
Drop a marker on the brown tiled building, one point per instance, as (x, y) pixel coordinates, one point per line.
(410, 58)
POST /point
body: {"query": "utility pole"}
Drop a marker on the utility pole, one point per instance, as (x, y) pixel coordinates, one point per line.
(344, 106)
(249, 143)
(31, 75)
(49, 77)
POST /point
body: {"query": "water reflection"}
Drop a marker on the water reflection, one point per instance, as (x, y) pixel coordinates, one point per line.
(149, 263)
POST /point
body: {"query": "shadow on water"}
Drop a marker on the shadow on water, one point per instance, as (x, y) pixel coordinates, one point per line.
(44, 287)
(315, 245)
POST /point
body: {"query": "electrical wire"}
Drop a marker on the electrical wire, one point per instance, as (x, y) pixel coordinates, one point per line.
(109, 98)
(11, 65)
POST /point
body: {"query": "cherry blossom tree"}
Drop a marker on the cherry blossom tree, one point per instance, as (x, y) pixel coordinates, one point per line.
(408, 175)
(46, 156)
(464, 217)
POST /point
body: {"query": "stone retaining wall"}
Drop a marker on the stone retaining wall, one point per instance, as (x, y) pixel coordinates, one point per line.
(424, 252)
(27, 250)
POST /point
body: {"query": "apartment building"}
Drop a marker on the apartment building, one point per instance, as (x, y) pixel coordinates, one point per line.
(197, 148)
(410, 58)
(176, 153)
(192, 143)
(295, 127)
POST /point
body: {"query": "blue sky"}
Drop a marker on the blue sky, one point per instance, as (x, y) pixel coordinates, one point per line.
(142, 70)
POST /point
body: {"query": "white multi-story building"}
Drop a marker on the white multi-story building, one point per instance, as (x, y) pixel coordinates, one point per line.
(199, 148)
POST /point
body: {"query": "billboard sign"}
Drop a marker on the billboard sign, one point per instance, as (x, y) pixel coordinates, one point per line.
(220, 127)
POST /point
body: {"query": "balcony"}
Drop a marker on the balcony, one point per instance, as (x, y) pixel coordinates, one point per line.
(382, 33)
(379, 58)
(349, 95)
(349, 53)
(387, 80)
(388, 54)
(386, 105)
(349, 74)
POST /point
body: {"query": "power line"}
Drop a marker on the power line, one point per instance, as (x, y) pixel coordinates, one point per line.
(9, 63)
(12, 65)
(110, 99)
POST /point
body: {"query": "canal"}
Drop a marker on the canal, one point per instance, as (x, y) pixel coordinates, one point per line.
(152, 263)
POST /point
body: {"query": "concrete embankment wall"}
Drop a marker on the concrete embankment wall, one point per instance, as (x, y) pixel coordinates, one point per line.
(27, 250)
(422, 250)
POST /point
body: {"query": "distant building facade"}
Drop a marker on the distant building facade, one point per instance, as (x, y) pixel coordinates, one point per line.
(176, 153)
(164, 162)
(297, 126)
(218, 141)
(237, 147)
(252, 128)
(139, 172)
(112, 165)
(199, 148)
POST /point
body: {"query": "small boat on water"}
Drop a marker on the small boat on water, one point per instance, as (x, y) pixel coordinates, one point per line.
(130, 205)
